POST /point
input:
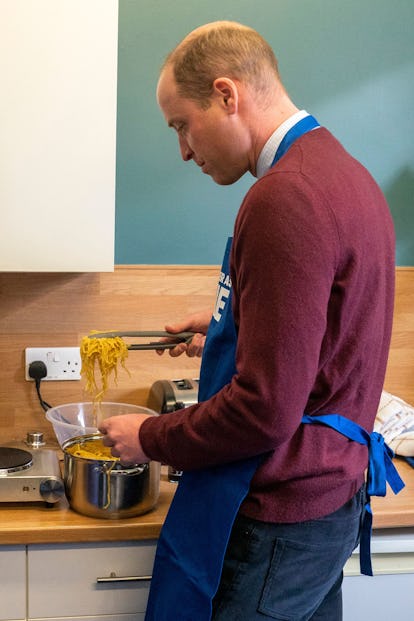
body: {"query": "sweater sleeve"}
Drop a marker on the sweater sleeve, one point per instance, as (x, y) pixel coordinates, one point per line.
(283, 262)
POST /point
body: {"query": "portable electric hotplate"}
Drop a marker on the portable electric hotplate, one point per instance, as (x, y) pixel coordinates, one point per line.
(30, 473)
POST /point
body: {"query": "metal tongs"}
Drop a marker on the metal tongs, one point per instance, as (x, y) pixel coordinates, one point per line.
(180, 337)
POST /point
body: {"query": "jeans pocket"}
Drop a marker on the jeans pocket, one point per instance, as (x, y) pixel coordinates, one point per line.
(299, 578)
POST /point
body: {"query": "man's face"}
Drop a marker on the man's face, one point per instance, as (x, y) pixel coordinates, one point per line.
(211, 137)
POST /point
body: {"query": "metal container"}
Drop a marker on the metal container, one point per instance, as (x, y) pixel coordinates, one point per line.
(169, 396)
(172, 395)
(106, 488)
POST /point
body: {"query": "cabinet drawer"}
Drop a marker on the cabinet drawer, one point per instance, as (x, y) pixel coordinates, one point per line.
(71, 580)
(382, 597)
(13, 582)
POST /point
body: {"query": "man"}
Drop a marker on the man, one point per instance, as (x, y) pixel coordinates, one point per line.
(302, 324)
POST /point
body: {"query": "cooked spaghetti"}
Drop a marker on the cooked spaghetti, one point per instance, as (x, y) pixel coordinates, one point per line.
(91, 449)
(105, 354)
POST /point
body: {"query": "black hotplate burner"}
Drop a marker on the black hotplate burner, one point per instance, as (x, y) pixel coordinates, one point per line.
(14, 459)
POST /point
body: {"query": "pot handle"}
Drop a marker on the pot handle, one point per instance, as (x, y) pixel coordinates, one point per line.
(105, 472)
(104, 486)
(130, 470)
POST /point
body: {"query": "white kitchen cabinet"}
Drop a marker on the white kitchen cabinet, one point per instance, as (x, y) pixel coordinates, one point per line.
(12, 583)
(58, 65)
(389, 594)
(81, 581)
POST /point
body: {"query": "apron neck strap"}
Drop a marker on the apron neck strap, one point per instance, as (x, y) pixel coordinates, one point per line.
(303, 126)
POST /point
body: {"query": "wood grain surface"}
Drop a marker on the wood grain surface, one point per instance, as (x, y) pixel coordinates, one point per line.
(56, 310)
(27, 523)
(42, 310)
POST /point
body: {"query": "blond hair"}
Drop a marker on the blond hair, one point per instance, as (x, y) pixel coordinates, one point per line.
(222, 49)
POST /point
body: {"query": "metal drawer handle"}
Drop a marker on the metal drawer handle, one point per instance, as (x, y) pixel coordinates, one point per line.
(114, 578)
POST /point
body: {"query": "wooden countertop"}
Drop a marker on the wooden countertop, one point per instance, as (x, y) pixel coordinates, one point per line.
(396, 511)
(32, 523)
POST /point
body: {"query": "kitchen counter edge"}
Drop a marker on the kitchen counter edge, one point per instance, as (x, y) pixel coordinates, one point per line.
(36, 523)
(26, 523)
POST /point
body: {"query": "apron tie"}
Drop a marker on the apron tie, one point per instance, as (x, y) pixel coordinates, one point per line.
(381, 471)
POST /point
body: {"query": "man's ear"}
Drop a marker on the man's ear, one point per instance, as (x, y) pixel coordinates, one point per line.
(227, 94)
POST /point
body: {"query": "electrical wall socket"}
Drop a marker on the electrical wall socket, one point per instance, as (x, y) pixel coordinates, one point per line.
(62, 363)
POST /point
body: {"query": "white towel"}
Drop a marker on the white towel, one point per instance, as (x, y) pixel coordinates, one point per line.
(395, 421)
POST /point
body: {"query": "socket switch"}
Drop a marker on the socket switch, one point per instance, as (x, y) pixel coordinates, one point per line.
(62, 363)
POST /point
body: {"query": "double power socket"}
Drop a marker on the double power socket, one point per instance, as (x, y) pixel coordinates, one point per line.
(62, 363)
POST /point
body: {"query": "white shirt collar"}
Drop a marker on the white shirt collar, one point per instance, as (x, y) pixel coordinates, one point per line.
(268, 152)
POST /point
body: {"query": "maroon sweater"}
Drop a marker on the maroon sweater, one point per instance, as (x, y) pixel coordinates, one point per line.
(312, 269)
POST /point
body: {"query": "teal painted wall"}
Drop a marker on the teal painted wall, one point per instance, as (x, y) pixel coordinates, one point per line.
(351, 64)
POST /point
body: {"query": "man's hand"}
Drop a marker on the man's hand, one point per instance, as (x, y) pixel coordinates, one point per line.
(197, 323)
(121, 434)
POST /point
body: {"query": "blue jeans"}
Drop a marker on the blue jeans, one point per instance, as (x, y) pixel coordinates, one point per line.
(290, 572)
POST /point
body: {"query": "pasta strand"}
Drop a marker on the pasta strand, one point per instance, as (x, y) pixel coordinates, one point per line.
(101, 358)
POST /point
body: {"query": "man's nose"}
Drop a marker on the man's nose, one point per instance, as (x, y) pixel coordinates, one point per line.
(186, 152)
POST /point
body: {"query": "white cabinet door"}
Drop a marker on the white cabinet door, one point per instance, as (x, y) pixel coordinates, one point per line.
(380, 598)
(12, 582)
(389, 594)
(76, 580)
(58, 67)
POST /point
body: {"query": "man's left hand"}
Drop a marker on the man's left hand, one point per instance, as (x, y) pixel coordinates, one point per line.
(121, 434)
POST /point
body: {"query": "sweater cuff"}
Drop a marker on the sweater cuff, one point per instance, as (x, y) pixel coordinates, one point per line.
(147, 436)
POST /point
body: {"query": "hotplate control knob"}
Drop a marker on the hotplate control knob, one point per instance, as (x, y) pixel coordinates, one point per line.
(52, 489)
(35, 439)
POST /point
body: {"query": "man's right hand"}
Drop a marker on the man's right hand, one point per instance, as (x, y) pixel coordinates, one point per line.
(197, 323)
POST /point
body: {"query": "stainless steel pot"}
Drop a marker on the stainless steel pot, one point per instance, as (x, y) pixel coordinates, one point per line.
(107, 489)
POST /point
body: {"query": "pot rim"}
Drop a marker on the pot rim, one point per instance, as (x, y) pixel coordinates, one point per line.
(113, 463)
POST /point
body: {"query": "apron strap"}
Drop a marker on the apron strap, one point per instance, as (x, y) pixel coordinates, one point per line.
(381, 471)
(305, 125)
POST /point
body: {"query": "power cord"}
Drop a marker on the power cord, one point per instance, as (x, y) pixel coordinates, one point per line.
(37, 371)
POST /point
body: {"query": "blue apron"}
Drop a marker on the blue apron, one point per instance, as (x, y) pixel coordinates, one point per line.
(194, 537)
